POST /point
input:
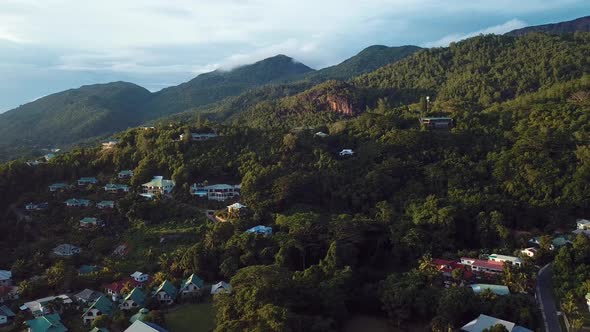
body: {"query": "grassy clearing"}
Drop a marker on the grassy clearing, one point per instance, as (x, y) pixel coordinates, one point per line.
(199, 317)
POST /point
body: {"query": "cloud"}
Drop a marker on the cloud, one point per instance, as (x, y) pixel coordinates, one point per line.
(496, 29)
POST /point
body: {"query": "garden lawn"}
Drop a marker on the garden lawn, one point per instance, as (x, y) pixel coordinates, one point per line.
(199, 317)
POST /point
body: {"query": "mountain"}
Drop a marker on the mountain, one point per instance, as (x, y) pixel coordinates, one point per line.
(365, 61)
(215, 86)
(579, 24)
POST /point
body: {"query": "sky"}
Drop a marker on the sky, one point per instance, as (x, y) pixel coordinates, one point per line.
(47, 46)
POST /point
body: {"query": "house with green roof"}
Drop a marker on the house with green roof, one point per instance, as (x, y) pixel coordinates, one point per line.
(75, 202)
(47, 323)
(102, 306)
(140, 315)
(134, 299)
(87, 180)
(88, 222)
(166, 293)
(157, 186)
(106, 205)
(191, 286)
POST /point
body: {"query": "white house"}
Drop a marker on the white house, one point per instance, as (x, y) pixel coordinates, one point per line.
(66, 250)
(346, 152)
(216, 192)
(199, 136)
(529, 252)
(504, 258)
(109, 145)
(116, 188)
(158, 186)
(166, 293)
(191, 285)
(39, 307)
(102, 306)
(485, 322)
(5, 278)
(320, 134)
(221, 287)
(134, 299)
(583, 224)
(139, 326)
(140, 276)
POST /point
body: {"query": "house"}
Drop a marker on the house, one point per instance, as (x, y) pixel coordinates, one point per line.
(557, 242)
(485, 322)
(75, 202)
(199, 136)
(483, 266)
(157, 186)
(47, 323)
(496, 289)
(505, 259)
(42, 306)
(116, 188)
(583, 224)
(139, 326)
(133, 300)
(191, 285)
(125, 174)
(8, 293)
(320, 134)
(109, 145)
(87, 296)
(166, 293)
(221, 287)
(236, 209)
(121, 250)
(102, 306)
(106, 205)
(87, 222)
(37, 207)
(140, 315)
(346, 152)
(58, 187)
(115, 289)
(6, 315)
(529, 252)
(264, 230)
(49, 156)
(441, 122)
(34, 162)
(86, 181)
(446, 268)
(216, 192)
(5, 278)
(66, 250)
(140, 277)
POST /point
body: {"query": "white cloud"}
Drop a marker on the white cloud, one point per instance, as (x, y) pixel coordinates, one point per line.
(496, 29)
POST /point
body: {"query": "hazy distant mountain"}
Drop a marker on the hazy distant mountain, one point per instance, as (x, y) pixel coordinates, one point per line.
(579, 24)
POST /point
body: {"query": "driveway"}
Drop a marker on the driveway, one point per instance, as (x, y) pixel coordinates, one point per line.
(546, 299)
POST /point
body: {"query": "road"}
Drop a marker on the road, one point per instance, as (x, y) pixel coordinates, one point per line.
(546, 299)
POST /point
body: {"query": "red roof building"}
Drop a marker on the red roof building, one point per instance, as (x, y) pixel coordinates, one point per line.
(447, 267)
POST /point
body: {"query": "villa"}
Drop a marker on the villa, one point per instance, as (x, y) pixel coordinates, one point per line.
(157, 186)
(216, 192)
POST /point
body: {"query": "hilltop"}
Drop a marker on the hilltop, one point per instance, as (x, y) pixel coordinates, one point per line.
(581, 24)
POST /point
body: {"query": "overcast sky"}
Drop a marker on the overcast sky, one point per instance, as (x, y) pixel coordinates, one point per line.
(50, 45)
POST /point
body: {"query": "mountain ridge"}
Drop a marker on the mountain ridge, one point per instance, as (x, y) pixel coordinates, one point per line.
(578, 24)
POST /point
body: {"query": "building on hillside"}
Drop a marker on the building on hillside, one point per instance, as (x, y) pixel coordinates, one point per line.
(115, 289)
(75, 202)
(87, 180)
(216, 192)
(34, 163)
(446, 268)
(485, 322)
(529, 252)
(198, 136)
(5, 278)
(37, 207)
(121, 250)
(49, 156)
(516, 261)
(66, 250)
(87, 296)
(191, 286)
(166, 293)
(320, 134)
(47, 323)
(139, 326)
(116, 188)
(6, 315)
(43, 306)
(58, 187)
(479, 266)
(125, 174)
(109, 144)
(88, 222)
(106, 205)
(260, 229)
(583, 224)
(157, 186)
(437, 122)
(102, 306)
(236, 209)
(346, 152)
(557, 242)
(221, 287)
(133, 300)
(496, 289)
(140, 276)
(8, 293)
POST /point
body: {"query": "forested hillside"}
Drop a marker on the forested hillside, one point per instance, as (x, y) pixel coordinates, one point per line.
(581, 24)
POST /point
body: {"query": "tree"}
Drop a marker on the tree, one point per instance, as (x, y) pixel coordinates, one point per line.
(423, 105)
(102, 321)
(496, 328)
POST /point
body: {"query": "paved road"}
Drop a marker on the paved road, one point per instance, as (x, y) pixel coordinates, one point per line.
(546, 299)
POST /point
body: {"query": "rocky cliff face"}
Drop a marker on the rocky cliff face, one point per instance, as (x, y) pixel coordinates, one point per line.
(340, 104)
